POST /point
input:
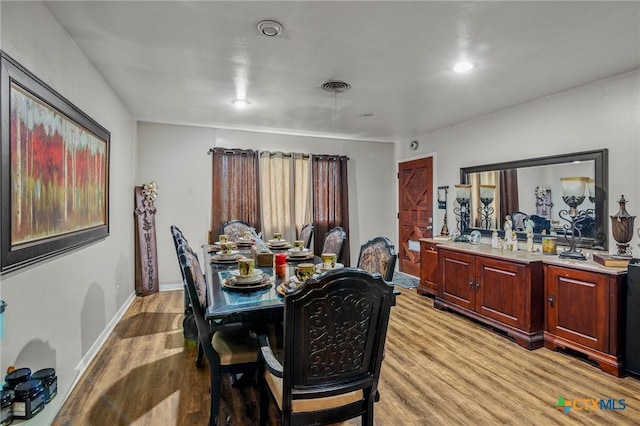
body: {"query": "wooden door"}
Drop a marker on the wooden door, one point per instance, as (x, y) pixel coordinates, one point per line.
(578, 306)
(415, 189)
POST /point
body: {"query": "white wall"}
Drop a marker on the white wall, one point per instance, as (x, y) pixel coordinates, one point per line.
(175, 157)
(604, 114)
(58, 309)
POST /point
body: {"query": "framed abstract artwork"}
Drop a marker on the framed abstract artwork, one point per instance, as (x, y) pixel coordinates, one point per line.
(55, 171)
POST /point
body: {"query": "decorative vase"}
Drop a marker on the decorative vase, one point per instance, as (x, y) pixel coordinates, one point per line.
(622, 228)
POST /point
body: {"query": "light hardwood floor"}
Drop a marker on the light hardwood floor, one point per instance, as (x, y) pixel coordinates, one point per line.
(439, 369)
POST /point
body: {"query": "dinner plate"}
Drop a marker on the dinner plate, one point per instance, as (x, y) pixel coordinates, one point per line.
(299, 253)
(230, 283)
(231, 256)
(321, 268)
(284, 289)
(217, 259)
(250, 279)
(278, 242)
(307, 256)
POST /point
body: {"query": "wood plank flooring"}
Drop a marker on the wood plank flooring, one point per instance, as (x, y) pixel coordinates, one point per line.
(439, 369)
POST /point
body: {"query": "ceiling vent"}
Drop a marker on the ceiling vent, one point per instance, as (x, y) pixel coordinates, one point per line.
(270, 28)
(335, 86)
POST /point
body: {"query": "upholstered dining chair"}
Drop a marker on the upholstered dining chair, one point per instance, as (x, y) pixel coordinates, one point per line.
(334, 242)
(235, 229)
(378, 255)
(334, 334)
(228, 352)
(305, 234)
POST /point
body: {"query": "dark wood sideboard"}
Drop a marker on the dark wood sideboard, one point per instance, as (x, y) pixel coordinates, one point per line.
(535, 299)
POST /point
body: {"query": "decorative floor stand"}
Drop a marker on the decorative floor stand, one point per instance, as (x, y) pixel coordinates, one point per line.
(146, 251)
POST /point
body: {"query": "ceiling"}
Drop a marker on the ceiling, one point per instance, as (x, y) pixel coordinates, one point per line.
(183, 62)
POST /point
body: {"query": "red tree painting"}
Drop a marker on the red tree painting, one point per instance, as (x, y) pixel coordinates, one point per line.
(58, 172)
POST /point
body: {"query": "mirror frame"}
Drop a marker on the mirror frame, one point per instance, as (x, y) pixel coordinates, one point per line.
(600, 159)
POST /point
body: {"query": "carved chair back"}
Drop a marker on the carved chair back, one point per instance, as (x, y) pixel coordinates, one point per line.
(305, 234)
(334, 334)
(334, 242)
(235, 229)
(378, 255)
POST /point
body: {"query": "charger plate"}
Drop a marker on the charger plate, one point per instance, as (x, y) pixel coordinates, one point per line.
(230, 283)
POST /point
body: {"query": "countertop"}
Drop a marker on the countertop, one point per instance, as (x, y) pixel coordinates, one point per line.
(523, 256)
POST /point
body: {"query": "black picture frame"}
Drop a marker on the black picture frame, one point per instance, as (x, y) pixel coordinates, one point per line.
(54, 166)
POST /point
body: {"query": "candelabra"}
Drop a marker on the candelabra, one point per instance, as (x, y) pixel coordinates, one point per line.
(487, 195)
(622, 227)
(463, 196)
(591, 185)
(573, 194)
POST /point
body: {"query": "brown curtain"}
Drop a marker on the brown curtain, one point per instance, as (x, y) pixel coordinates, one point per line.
(235, 188)
(330, 199)
(508, 193)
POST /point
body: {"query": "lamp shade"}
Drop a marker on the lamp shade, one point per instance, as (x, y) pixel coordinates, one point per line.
(487, 191)
(591, 187)
(463, 191)
(574, 186)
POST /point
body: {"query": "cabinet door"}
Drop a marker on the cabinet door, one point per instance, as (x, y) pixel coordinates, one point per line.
(429, 268)
(457, 283)
(577, 306)
(500, 290)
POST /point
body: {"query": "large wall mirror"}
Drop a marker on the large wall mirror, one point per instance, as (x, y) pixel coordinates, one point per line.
(532, 189)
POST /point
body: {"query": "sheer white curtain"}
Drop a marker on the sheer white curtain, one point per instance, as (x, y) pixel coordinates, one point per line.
(302, 194)
(284, 193)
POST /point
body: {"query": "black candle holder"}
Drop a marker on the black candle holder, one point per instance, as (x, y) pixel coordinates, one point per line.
(462, 218)
(573, 230)
(486, 212)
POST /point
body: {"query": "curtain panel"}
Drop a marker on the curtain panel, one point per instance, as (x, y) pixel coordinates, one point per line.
(284, 192)
(330, 199)
(235, 188)
(508, 192)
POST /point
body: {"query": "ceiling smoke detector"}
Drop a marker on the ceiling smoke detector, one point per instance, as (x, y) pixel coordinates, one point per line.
(335, 86)
(270, 28)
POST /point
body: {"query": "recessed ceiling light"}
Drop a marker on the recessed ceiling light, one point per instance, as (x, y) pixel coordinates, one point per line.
(463, 66)
(240, 103)
(270, 28)
(367, 114)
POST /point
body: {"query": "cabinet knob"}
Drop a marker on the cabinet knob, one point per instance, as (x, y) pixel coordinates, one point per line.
(471, 284)
(551, 299)
(478, 284)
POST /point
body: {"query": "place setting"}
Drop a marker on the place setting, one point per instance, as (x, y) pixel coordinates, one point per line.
(302, 273)
(246, 277)
(246, 240)
(277, 242)
(329, 262)
(226, 254)
(299, 252)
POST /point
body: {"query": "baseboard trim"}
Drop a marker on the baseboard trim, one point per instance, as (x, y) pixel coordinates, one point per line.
(86, 360)
(97, 345)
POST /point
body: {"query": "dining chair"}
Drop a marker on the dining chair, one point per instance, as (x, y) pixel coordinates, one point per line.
(228, 352)
(378, 255)
(235, 229)
(334, 242)
(305, 234)
(334, 334)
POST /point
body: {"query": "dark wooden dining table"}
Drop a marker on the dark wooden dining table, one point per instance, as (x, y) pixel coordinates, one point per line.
(228, 307)
(247, 309)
